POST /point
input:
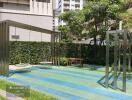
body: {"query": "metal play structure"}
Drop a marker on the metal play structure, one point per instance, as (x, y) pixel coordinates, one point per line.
(5, 40)
(121, 42)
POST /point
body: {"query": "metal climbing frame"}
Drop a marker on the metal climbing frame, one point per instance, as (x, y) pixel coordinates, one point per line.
(121, 42)
(4, 41)
(4, 48)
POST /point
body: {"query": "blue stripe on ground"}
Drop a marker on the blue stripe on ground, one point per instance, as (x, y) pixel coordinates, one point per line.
(68, 96)
(79, 73)
(95, 75)
(80, 87)
(67, 74)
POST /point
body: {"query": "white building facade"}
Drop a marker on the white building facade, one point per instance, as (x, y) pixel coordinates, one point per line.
(67, 5)
(37, 13)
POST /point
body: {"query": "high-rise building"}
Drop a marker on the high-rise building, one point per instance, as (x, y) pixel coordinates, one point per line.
(40, 7)
(37, 13)
(66, 5)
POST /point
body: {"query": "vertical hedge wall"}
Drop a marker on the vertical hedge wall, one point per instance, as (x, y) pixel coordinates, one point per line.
(35, 52)
(29, 52)
(86, 52)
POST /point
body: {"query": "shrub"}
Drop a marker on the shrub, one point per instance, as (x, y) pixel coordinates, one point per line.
(35, 52)
(64, 61)
(29, 52)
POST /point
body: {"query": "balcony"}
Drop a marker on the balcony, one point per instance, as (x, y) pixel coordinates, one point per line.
(66, 1)
(66, 6)
(77, 5)
(77, 1)
(24, 2)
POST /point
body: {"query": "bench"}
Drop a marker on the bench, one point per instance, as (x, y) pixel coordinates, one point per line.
(76, 61)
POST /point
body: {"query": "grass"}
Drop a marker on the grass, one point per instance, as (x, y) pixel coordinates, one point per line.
(2, 98)
(34, 95)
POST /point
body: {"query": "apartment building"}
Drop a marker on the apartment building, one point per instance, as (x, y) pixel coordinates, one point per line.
(37, 13)
(67, 5)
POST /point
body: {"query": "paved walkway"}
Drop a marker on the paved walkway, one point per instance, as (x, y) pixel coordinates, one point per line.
(9, 96)
(70, 84)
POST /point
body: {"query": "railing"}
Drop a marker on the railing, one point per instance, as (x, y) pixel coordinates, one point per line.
(26, 2)
(20, 12)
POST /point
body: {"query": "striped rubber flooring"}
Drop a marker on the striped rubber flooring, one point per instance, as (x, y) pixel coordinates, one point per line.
(67, 83)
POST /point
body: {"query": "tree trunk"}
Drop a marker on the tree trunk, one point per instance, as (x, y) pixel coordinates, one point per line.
(95, 41)
(95, 47)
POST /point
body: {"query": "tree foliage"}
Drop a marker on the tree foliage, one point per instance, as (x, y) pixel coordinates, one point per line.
(65, 36)
(74, 21)
(126, 14)
(96, 18)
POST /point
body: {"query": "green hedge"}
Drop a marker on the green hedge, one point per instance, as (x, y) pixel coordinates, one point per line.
(35, 52)
(85, 51)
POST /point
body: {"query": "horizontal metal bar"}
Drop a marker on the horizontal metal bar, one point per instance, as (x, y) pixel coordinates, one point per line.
(28, 27)
(115, 31)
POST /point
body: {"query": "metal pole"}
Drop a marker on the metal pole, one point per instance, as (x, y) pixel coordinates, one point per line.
(0, 49)
(7, 49)
(129, 63)
(54, 39)
(107, 61)
(3, 39)
(124, 61)
(53, 47)
(4, 48)
(59, 50)
(115, 60)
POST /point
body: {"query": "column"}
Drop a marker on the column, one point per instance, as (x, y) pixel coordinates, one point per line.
(35, 6)
(40, 7)
(31, 6)
(81, 4)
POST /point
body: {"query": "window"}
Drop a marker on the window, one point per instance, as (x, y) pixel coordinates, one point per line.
(48, 1)
(15, 36)
(1, 4)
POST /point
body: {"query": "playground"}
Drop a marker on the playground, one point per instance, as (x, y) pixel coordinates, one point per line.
(90, 58)
(83, 82)
(68, 83)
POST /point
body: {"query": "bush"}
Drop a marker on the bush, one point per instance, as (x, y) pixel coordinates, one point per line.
(29, 52)
(35, 52)
(64, 61)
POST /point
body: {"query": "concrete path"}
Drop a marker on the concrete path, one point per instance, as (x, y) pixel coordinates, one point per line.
(9, 96)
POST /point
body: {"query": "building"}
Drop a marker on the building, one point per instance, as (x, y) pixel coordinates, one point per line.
(66, 5)
(37, 13)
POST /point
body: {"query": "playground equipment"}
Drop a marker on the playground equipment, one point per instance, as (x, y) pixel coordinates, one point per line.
(5, 41)
(121, 42)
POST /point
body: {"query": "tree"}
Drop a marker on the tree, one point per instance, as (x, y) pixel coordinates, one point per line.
(65, 36)
(74, 21)
(96, 18)
(126, 14)
(99, 15)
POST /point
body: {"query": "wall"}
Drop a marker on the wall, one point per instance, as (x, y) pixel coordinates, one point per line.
(44, 7)
(10, 6)
(34, 20)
